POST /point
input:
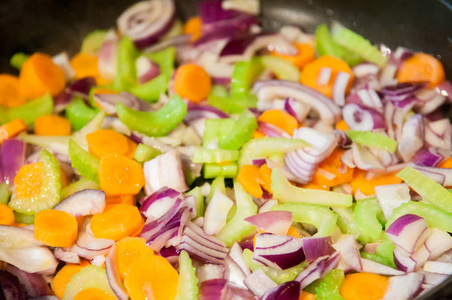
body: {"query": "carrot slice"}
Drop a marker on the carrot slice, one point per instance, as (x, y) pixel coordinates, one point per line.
(6, 215)
(151, 277)
(446, 163)
(265, 176)
(306, 296)
(192, 82)
(86, 65)
(106, 141)
(132, 148)
(119, 175)
(305, 55)
(280, 119)
(128, 250)
(342, 125)
(258, 135)
(28, 180)
(367, 186)
(364, 286)
(333, 165)
(11, 129)
(193, 26)
(52, 125)
(421, 67)
(117, 221)
(93, 294)
(62, 278)
(248, 177)
(10, 92)
(293, 232)
(311, 72)
(39, 75)
(125, 199)
(55, 228)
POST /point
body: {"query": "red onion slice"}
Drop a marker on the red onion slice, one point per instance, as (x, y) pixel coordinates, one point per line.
(407, 232)
(349, 253)
(17, 237)
(195, 112)
(12, 156)
(258, 282)
(371, 266)
(413, 137)
(404, 287)
(62, 61)
(324, 76)
(339, 87)
(391, 196)
(312, 272)
(10, 287)
(31, 260)
(285, 291)
(108, 102)
(108, 53)
(113, 275)
(146, 69)
(66, 255)
(316, 247)
(359, 117)
(445, 89)
(83, 203)
(33, 284)
(276, 222)
(438, 242)
(81, 87)
(296, 109)
(159, 203)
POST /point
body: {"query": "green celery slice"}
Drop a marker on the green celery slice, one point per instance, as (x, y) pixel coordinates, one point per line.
(377, 258)
(216, 130)
(204, 155)
(151, 90)
(199, 200)
(283, 69)
(212, 170)
(93, 41)
(5, 193)
(235, 104)
(217, 185)
(79, 113)
(18, 59)
(82, 184)
(329, 288)
(243, 75)
(372, 140)
(241, 132)
(125, 73)
(145, 153)
(386, 250)
(86, 163)
(365, 217)
(188, 282)
(28, 112)
(21, 218)
(165, 59)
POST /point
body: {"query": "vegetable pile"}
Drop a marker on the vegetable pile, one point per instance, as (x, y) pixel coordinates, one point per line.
(216, 160)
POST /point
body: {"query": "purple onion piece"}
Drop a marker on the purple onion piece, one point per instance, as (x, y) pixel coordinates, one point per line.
(359, 117)
(391, 92)
(246, 45)
(64, 254)
(34, 285)
(408, 232)
(83, 203)
(81, 87)
(287, 291)
(108, 102)
(413, 133)
(10, 287)
(365, 69)
(271, 130)
(12, 154)
(427, 157)
(312, 272)
(177, 41)
(239, 23)
(258, 282)
(339, 87)
(212, 289)
(296, 109)
(441, 175)
(146, 69)
(400, 55)
(113, 275)
(170, 254)
(316, 247)
(195, 112)
(163, 195)
(107, 55)
(276, 222)
(211, 11)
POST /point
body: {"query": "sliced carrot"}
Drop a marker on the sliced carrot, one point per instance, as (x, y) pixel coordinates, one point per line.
(305, 55)
(106, 141)
(62, 278)
(421, 67)
(311, 72)
(280, 119)
(86, 65)
(151, 276)
(39, 75)
(293, 232)
(11, 129)
(28, 180)
(364, 286)
(117, 221)
(306, 296)
(258, 135)
(52, 125)
(192, 82)
(64, 178)
(265, 177)
(333, 165)
(93, 294)
(248, 177)
(193, 26)
(6, 215)
(125, 199)
(55, 228)
(132, 148)
(10, 92)
(342, 125)
(446, 163)
(120, 175)
(367, 186)
(128, 250)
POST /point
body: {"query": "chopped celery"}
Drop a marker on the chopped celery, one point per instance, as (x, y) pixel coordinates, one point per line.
(86, 163)
(237, 228)
(50, 190)
(278, 276)
(431, 191)
(346, 223)
(235, 104)
(18, 59)
(386, 250)
(93, 41)
(165, 59)
(217, 185)
(358, 44)
(145, 153)
(187, 288)
(151, 90)
(95, 124)
(434, 216)
(219, 91)
(286, 192)
(203, 155)
(79, 113)
(216, 130)
(329, 288)
(241, 132)
(326, 45)
(28, 112)
(55, 143)
(320, 216)
(243, 75)
(267, 146)
(5, 193)
(125, 73)
(283, 69)
(157, 123)
(212, 170)
(82, 184)
(372, 140)
(377, 258)
(21, 218)
(365, 217)
(199, 200)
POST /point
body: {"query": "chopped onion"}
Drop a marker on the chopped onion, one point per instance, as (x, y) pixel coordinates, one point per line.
(17, 237)
(286, 291)
(108, 102)
(339, 87)
(271, 130)
(324, 76)
(159, 203)
(404, 287)
(413, 137)
(258, 282)
(316, 247)
(108, 53)
(438, 242)
(12, 157)
(216, 213)
(445, 89)
(408, 232)
(10, 288)
(31, 260)
(81, 87)
(114, 280)
(276, 222)
(83, 203)
(62, 61)
(438, 267)
(359, 117)
(146, 69)
(349, 252)
(391, 196)
(297, 109)
(371, 266)
(66, 255)
(365, 69)
(33, 284)
(195, 112)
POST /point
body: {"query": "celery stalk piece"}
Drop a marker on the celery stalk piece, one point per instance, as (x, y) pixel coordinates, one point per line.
(151, 90)
(372, 140)
(377, 258)
(320, 216)
(82, 184)
(79, 113)
(145, 153)
(431, 191)
(57, 143)
(286, 192)
(28, 112)
(216, 130)
(18, 59)
(283, 69)
(268, 146)
(235, 104)
(199, 200)
(50, 190)
(203, 155)
(237, 228)
(126, 73)
(93, 41)
(365, 217)
(86, 163)
(243, 75)
(386, 250)
(328, 289)
(188, 282)
(217, 185)
(212, 170)
(157, 123)
(21, 218)
(241, 132)
(5, 193)
(165, 59)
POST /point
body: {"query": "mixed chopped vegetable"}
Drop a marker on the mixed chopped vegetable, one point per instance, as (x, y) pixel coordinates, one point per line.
(217, 160)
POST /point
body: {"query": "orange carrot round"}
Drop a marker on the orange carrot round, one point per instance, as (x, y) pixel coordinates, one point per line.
(311, 72)
(10, 92)
(52, 125)
(55, 228)
(342, 125)
(193, 27)
(6, 215)
(280, 119)
(305, 55)
(265, 177)
(132, 148)
(62, 278)
(93, 294)
(367, 187)
(28, 180)
(106, 141)
(11, 129)
(151, 277)
(117, 221)
(128, 250)
(120, 175)
(333, 165)
(446, 163)
(293, 232)
(85, 65)
(248, 178)
(39, 75)
(192, 82)
(364, 286)
(125, 199)
(421, 67)
(306, 296)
